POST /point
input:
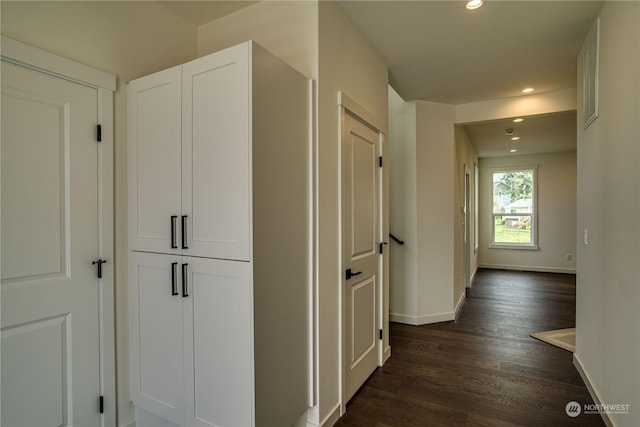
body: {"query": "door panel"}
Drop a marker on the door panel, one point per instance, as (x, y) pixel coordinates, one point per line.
(219, 343)
(363, 192)
(154, 151)
(156, 334)
(361, 234)
(50, 300)
(216, 155)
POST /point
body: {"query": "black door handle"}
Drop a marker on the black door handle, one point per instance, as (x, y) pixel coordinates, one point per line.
(185, 275)
(349, 274)
(99, 262)
(174, 219)
(185, 240)
(174, 279)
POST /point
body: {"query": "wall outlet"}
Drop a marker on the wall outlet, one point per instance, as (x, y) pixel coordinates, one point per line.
(568, 257)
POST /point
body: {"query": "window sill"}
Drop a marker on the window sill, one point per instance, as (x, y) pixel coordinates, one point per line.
(517, 247)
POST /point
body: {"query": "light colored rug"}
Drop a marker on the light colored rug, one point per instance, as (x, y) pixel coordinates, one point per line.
(563, 338)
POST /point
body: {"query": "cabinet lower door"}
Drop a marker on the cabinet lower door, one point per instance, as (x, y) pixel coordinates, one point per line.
(157, 335)
(218, 339)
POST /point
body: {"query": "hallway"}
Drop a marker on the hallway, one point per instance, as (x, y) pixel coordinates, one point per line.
(483, 369)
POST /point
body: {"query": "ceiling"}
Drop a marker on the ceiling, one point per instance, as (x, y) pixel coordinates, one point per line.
(548, 133)
(439, 51)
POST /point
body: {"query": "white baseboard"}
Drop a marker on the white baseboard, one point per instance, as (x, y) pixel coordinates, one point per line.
(528, 268)
(460, 304)
(332, 418)
(591, 389)
(421, 320)
(386, 354)
(473, 276)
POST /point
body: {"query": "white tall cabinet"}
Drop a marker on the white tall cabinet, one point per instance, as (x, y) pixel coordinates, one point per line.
(218, 172)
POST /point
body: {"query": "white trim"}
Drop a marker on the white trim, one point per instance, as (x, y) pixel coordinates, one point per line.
(592, 390)
(459, 305)
(386, 354)
(48, 63)
(421, 320)
(541, 269)
(361, 112)
(329, 420)
(473, 276)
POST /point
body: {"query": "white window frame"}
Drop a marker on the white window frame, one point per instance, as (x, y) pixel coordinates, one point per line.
(533, 245)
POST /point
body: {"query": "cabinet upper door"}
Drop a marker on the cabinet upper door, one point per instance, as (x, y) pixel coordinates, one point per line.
(216, 154)
(154, 125)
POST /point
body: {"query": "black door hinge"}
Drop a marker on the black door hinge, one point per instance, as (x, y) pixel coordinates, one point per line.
(380, 161)
(101, 404)
(99, 133)
(382, 246)
(380, 333)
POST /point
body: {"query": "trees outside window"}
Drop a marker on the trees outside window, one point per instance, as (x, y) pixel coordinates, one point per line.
(514, 201)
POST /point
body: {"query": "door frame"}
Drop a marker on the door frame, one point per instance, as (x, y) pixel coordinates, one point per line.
(466, 238)
(21, 54)
(347, 104)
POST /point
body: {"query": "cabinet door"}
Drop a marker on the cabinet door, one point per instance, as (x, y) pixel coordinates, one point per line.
(156, 306)
(153, 159)
(219, 344)
(216, 154)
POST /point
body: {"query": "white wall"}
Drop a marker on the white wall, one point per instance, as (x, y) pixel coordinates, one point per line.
(556, 219)
(129, 40)
(465, 160)
(346, 63)
(435, 201)
(403, 284)
(288, 29)
(608, 271)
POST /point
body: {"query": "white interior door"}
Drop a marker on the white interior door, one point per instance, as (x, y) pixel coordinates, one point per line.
(50, 290)
(360, 249)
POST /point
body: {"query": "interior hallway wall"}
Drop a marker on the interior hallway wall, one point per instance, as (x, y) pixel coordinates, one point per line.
(608, 271)
(556, 214)
(465, 161)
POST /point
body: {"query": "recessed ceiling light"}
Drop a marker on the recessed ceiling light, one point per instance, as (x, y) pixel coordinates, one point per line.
(474, 4)
(513, 150)
(515, 138)
(518, 120)
(528, 90)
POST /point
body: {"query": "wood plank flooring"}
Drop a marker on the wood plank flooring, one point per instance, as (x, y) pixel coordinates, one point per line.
(483, 369)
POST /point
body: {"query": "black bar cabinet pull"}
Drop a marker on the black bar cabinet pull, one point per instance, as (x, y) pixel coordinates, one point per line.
(398, 241)
(174, 219)
(185, 240)
(174, 278)
(185, 275)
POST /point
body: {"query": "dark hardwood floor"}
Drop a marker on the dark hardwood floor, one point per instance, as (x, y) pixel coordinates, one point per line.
(483, 369)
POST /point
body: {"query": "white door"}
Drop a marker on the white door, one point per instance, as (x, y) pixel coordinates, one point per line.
(156, 300)
(218, 340)
(360, 246)
(154, 124)
(50, 290)
(215, 156)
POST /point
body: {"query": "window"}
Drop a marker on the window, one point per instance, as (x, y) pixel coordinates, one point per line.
(513, 217)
